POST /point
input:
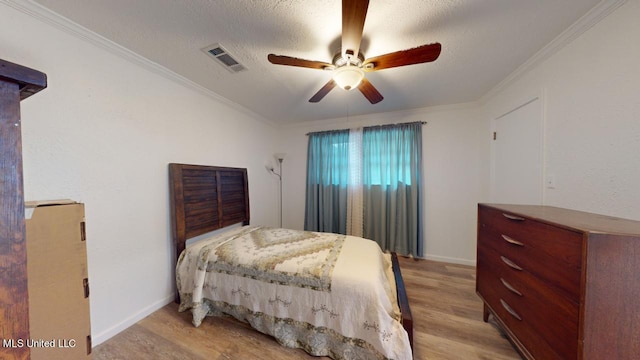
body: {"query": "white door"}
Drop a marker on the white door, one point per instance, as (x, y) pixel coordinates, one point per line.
(517, 155)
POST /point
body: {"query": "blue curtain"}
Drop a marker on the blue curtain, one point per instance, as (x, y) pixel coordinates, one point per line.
(327, 181)
(391, 176)
(392, 171)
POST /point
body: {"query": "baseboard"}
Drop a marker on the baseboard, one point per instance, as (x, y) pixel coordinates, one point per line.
(451, 260)
(98, 339)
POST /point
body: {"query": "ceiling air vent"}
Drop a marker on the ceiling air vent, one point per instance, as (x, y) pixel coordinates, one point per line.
(222, 56)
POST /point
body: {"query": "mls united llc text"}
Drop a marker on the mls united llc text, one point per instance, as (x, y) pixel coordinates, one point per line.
(39, 343)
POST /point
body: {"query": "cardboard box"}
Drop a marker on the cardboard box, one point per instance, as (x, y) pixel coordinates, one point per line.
(59, 321)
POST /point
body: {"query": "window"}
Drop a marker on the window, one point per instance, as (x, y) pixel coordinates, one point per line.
(388, 160)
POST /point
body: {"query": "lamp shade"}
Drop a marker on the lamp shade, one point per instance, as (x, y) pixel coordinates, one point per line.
(348, 77)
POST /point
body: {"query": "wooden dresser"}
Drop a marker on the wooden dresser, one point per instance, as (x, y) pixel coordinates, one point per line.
(16, 84)
(563, 284)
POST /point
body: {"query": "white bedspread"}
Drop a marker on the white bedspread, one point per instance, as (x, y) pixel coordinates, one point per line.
(332, 295)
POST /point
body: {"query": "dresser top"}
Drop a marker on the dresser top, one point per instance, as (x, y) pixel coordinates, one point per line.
(572, 219)
(29, 81)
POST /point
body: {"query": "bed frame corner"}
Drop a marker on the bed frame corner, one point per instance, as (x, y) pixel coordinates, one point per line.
(403, 300)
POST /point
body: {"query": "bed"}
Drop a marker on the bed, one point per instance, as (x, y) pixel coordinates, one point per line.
(296, 286)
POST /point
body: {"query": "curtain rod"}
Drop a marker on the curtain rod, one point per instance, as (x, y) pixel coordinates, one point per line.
(396, 124)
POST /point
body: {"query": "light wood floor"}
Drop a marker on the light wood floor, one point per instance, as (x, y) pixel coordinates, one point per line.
(446, 311)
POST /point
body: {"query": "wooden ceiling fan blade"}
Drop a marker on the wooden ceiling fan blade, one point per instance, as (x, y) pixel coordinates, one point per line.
(369, 91)
(354, 13)
(323, 91)
(417, 55)
(292, 61)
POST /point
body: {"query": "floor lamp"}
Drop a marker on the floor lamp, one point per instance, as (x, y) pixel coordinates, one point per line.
(279, 157)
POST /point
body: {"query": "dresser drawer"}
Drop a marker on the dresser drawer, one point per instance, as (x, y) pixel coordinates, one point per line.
(553, 254)
(541, 308)
(511, 319)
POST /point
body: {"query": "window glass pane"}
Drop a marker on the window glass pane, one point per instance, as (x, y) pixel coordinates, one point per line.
(328, 158)
(388, 154)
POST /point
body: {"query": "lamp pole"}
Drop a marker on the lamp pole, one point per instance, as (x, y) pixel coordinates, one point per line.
(280, 158)
(280, 176)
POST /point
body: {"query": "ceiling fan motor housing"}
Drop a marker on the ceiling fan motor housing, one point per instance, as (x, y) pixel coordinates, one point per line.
(340, 60)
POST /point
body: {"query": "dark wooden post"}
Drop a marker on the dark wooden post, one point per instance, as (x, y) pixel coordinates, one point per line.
(16, 83)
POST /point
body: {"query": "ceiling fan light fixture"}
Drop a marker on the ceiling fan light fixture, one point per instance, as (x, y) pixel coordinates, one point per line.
(349, 64)
(348, 77)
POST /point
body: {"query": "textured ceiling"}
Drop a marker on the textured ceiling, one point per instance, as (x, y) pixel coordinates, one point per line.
(483, 41)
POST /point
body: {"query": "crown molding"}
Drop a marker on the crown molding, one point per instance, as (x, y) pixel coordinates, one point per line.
(586, 22)
(58, 21)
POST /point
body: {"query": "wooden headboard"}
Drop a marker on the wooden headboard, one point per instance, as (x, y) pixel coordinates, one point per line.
(206, 198)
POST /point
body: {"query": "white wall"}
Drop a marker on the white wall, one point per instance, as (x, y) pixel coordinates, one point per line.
(456, 173)
(103, 133)
(591, 92)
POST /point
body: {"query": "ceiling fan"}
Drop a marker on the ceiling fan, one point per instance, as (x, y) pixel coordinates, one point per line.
(349, 65)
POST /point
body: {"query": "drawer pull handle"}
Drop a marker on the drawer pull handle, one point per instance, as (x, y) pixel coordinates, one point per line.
(510, 287)
(510, 310)
(512, 217)
(511, 240)
(510, 263)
